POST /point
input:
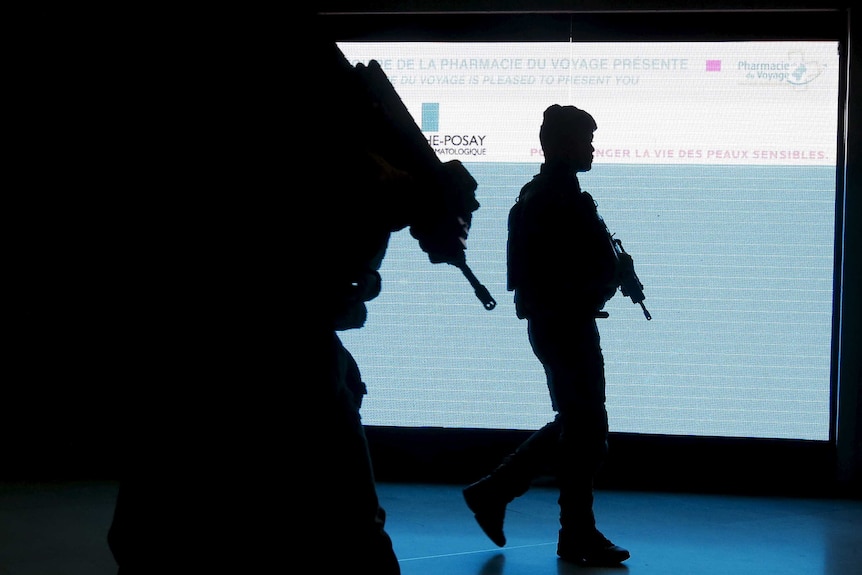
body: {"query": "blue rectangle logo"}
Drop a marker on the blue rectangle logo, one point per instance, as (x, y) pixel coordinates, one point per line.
(430, 117)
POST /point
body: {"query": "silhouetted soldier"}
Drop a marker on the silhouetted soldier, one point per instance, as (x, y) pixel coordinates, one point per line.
(241, 436)
(563, 268)
(375, 175)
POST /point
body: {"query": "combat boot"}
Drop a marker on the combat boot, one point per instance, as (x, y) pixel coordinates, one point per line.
(589, 548)
(488, 504)
(488, 497)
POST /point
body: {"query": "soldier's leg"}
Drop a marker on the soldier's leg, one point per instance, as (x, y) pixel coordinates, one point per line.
(488, 497)
(355, 521)
(583, 448)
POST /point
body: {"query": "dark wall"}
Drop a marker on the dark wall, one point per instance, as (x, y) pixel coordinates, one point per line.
(122, 122)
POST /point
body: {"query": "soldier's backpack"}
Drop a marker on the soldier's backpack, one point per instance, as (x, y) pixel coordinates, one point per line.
(515, 252)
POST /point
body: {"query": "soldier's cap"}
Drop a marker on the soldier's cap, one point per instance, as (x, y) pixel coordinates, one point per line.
(559, 119)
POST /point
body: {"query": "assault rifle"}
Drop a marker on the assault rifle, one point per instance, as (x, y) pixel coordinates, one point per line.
(441, 227)
(630, 284)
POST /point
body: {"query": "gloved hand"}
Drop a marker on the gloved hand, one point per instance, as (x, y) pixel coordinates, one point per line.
(443, 240)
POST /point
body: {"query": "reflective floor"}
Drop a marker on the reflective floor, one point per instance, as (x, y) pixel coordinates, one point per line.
(56, 528)
(60, 529)
(687, 534)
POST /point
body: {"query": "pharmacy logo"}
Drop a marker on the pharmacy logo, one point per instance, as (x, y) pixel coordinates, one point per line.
(795, 70)
(804, 71)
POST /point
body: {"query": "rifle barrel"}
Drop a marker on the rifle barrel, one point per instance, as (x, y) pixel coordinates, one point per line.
(646, 313)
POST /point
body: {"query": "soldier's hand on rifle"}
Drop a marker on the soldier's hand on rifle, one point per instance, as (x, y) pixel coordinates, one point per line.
(626, 264)
(625, 269)
(444, 240)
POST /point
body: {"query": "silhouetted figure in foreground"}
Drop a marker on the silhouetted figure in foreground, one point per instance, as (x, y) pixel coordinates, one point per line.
(376, 175)
(562, 268)
(240, 438)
